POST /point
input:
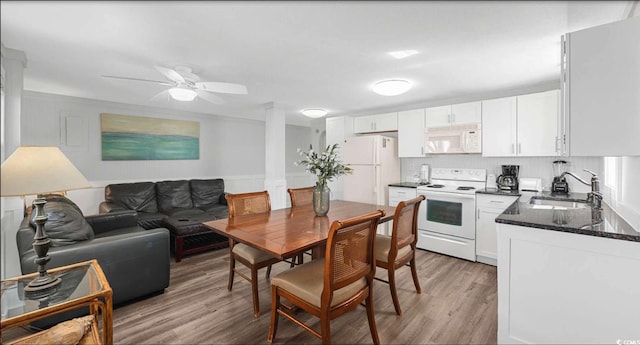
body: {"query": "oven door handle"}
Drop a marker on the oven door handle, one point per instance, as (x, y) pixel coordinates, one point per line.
(447, 195)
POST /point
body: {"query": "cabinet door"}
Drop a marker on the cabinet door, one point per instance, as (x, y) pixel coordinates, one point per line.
(438, 116)
(486, 237)
(363, 124)
(411, 133)
(538, 123)
(466, 113)
(603, 85)
(385, 122)
(499, 127)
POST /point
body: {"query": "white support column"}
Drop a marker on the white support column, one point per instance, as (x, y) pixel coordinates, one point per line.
(275, 179)
(11, 209)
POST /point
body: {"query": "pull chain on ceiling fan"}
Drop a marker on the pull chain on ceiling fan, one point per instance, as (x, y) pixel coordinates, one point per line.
(186, 86)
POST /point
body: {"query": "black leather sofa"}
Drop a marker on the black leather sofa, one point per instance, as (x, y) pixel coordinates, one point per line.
(135, 260)
(180, 206)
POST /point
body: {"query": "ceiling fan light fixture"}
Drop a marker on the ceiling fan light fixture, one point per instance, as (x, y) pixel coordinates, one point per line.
(182, 94)
(314, 112)
(391, 87)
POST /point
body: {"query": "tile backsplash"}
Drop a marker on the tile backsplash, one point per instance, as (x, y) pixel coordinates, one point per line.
(532, 167)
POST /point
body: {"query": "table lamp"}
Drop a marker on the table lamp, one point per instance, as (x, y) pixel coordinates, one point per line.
(39, 170)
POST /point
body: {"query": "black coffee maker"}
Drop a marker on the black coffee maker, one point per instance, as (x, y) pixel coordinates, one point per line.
(509, 178)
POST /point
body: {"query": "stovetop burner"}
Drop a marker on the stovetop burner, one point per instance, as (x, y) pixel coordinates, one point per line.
(435, 186)
(466, 188)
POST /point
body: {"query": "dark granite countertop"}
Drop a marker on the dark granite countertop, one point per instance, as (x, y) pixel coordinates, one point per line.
(407, 184)
(497, 191)
(585, 221)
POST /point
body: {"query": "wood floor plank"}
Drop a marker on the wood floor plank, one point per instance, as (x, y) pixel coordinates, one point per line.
(458, 305)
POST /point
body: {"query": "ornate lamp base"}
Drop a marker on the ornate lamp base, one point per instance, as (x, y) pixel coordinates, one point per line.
(44, 283)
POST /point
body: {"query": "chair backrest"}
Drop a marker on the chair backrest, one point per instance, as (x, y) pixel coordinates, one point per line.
(405, 225)
(248, 203)
(349, 255)
(301, 196)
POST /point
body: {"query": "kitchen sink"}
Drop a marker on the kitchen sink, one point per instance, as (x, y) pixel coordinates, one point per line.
(555, 204)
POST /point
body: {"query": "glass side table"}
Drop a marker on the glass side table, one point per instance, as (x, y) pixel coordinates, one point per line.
(83, 284)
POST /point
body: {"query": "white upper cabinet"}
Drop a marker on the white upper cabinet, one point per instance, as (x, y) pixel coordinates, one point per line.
(376, 123)
(499, 120)
(602, 90)
(447, 115)
(538, 123)
(524, 125)
(411, 133)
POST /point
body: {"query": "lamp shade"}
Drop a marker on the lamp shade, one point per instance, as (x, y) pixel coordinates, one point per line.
(32, 170)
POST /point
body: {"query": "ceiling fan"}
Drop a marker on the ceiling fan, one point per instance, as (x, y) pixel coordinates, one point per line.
(185, 85)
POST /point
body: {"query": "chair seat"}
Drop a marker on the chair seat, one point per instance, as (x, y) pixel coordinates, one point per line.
(250, 254)
(383, 244)
(307, 282)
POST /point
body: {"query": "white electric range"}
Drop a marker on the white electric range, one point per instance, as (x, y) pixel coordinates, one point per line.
(446, 219)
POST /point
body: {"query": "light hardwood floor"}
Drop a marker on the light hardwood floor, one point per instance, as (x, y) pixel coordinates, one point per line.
(458, 305)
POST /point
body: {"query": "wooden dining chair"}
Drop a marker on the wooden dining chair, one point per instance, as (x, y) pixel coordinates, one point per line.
(334, 285)
(252, 258)
(398, 250)
(301, 197)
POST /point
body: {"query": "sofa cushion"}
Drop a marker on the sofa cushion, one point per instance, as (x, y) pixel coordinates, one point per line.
(173, 194)
(65, 224)
(217, 211)
(205, 193)
(151, 220)
(183, 212)
(139, 196)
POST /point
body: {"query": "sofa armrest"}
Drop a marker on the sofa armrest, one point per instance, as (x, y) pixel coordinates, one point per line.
(223, 200)
(113, 220)
(109, 206)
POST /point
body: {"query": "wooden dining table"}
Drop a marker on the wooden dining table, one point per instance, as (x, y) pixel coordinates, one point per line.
(288, 231)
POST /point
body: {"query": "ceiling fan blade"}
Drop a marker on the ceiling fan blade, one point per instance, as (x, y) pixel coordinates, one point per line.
(138, 79)
(162, 95)
(209, 97)
(211, 86)
(170, 74)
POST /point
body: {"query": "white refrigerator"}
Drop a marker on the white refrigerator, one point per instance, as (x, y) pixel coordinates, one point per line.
(375, 163)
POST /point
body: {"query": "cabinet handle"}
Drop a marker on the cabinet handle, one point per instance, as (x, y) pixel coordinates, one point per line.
(519, 148)
(497, 201)
(478, 212)
(449, 118)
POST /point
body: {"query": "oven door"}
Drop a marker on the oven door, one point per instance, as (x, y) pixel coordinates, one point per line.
(448, 213)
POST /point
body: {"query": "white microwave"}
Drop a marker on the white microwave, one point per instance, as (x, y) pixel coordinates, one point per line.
(454, 139)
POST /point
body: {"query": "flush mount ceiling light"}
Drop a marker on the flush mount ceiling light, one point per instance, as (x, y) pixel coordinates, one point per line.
(391, 87)
(181, 93)
(401, 54)
(314, 112)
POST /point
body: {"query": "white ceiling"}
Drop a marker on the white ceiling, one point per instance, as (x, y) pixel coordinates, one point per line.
(295, 54)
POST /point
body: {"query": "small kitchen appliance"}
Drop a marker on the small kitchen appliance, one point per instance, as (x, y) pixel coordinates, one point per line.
(509, 178)
(559, 184)
(424, 174)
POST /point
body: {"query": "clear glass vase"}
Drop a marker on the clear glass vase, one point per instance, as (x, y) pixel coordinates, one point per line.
(321, 196)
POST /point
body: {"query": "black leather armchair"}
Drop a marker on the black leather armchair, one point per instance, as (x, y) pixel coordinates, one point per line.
(134, 260)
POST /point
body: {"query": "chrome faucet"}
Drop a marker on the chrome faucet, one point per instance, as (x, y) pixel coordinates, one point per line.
(594, 198)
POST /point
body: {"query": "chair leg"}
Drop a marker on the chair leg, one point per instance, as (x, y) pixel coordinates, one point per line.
(325, 328)
(275, 305)
(372, 319)
(415, 275)
(254, 291)
(392, 286)
(232, 271)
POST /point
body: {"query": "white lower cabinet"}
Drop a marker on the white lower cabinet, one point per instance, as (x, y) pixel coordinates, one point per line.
(396, 194)
(563, 288)
(488, 207)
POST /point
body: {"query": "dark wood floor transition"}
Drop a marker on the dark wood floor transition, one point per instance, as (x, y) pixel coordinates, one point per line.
(458, 305)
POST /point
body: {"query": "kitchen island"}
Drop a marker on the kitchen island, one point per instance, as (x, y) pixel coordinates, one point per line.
(567, 275)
